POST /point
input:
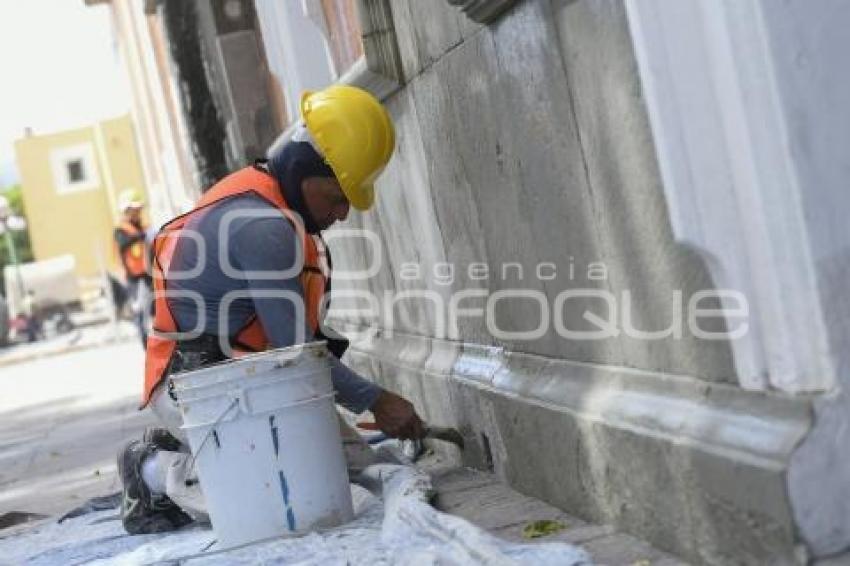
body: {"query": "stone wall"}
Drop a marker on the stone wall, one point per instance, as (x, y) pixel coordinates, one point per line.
(527, 142)
(509, 152)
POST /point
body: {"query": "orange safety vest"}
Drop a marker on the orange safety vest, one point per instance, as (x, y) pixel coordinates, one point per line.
(133, 256)
(314, 276)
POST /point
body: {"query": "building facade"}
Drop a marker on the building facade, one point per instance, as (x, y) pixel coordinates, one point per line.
(173, 168)
(204, 102)
(609, 247)
(70, 183)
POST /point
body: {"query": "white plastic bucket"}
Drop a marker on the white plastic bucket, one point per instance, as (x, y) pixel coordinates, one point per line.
(264, 433)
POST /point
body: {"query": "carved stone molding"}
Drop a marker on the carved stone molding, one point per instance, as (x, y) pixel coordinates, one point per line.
(730, 182)
(659, 427)
(483, 11)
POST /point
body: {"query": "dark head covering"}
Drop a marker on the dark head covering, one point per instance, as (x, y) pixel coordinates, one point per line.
(290, 165)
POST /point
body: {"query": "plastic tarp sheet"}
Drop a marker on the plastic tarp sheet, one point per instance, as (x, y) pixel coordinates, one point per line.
(397, 527)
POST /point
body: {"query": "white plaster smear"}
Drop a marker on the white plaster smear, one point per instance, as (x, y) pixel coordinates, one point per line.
(401, 529)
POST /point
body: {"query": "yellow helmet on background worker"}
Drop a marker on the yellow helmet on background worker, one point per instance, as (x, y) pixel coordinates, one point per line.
(130, 198)
(355, 135)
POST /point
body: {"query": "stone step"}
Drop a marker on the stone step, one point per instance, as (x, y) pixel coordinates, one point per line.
(482, 499)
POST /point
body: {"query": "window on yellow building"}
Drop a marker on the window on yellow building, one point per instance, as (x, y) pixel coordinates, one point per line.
(76, 172)
(73, 168)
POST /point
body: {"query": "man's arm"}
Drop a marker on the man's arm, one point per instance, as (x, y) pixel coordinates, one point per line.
(268, 244)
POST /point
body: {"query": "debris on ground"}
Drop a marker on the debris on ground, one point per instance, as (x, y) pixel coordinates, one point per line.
(537, 529)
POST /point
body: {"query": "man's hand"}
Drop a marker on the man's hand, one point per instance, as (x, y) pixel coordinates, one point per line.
(396, 417)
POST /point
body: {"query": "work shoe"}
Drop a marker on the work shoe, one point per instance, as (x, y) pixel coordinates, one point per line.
(162, 439)
(143, 512)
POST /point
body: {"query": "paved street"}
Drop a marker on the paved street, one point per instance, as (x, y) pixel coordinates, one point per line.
(62, 419)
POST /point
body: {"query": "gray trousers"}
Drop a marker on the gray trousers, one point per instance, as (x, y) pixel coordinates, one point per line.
(181, 482)
(139, 294)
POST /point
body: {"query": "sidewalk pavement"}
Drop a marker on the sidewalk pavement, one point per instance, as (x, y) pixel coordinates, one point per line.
(63, 417)
(480, 498)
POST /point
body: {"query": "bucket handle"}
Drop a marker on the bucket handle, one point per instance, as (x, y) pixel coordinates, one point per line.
(238, 399)
(238, 396)
(244, 406)
(212, 426)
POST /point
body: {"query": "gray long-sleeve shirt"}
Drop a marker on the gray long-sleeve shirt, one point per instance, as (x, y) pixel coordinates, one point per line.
(251, 235)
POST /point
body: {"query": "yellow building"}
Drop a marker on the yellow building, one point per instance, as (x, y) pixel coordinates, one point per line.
(70, 182)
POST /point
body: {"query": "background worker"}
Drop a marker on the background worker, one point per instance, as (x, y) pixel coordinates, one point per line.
(31, 315)
(130, 241)
(260, 220)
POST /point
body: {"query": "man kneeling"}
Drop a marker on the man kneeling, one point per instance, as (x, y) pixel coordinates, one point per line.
(245, 235)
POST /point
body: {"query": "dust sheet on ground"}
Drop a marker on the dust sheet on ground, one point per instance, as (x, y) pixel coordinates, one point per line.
(398, 528)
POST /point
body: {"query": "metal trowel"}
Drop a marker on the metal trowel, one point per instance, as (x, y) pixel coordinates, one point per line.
(444, 433)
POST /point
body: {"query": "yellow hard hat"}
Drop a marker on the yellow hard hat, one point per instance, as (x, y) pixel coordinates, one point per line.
(355, 135)
(130, 198)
